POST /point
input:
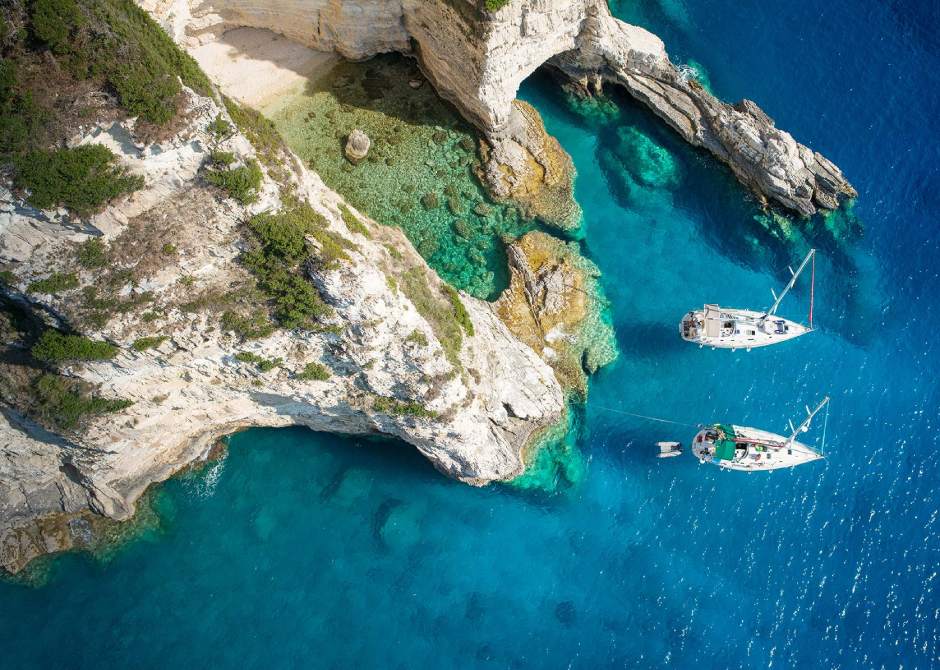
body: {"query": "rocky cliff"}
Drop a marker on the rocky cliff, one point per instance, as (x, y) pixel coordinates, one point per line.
(401, 355)
(477, 60)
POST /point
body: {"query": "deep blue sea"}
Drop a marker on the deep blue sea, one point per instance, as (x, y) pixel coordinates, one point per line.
(307, 550)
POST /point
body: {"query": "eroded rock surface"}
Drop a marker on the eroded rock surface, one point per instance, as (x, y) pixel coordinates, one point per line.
(555, 305)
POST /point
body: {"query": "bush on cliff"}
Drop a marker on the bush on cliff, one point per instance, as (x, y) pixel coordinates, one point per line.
(66, 403)
(84, 178)
(55, 347)
(241, 183)
(116, 41)
(279, 247)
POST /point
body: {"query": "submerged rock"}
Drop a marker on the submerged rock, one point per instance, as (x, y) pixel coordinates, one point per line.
(357, 146)
(633, 161)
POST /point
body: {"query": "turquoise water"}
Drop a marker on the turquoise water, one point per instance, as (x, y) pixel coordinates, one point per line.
(315, 551)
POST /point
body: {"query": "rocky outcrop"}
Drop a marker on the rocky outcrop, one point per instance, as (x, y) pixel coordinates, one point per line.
(530, 167)
(357, 146)
(400, 361)
(477, 60)
(555, 305)
(766, 159)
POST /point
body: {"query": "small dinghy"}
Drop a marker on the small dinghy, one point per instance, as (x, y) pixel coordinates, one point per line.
(744, 448)
(669, 449)
(729, 328)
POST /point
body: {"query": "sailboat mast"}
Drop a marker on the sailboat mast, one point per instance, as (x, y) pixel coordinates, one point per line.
(779, 299)
(803, 427)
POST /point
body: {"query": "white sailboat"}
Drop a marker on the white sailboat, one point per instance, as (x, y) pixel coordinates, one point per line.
(750, 449)
(728, 328)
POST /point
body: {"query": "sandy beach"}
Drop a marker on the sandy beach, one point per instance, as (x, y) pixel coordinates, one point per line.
(260, 68)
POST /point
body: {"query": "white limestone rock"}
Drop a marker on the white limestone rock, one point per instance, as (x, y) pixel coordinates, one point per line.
(191, 390)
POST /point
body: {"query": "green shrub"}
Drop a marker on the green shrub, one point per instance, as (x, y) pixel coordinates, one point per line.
(82, 179)
(147, 90)
(56, 23)
(241, 183)
(117, 40)
(259, 130)
(418, 338)
(144, 343)
(263, 364)
(353, 222)
(220, 128)
(460, 311)
(278, 248)
(168, 249)
(54, 347)
(66, 403)
(91, 253)
(314, 372)
(54, 283)
(249, 327)
(7, 277)
(495, 5)
(222, 158)
(397, 407)
(21, 119)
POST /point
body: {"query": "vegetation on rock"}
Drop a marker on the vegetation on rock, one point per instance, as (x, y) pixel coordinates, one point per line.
(83, 179)
(263, 364)
(117, 42)
(144, 343)
(279, 245)
(55, 347)
(441, 313)
(54, 283)
(397, 407)
(314, 372)
(66, 403)
(240, 183)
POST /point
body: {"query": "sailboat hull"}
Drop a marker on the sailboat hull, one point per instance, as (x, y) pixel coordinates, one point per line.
(729, 328)
(749, 449)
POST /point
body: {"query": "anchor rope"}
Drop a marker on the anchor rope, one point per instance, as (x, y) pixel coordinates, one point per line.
(644, 416)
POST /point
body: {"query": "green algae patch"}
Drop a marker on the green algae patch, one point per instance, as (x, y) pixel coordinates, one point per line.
(419, 174)
(635, 164)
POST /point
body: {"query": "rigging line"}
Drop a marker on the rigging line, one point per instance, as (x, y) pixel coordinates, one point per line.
(643, 416)
(812, 291)
(822, 448)
(603, 301)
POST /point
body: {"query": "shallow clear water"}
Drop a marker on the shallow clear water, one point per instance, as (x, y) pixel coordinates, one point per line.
(311, 550)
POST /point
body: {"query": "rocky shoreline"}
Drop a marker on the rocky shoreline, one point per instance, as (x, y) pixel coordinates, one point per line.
(468, 383)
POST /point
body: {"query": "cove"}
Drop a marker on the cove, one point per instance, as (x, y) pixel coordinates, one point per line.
(306, 549)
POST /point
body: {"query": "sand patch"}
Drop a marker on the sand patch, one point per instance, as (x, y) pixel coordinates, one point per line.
(260, 68)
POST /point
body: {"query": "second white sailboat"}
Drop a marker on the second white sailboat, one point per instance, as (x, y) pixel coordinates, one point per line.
(730, 328)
